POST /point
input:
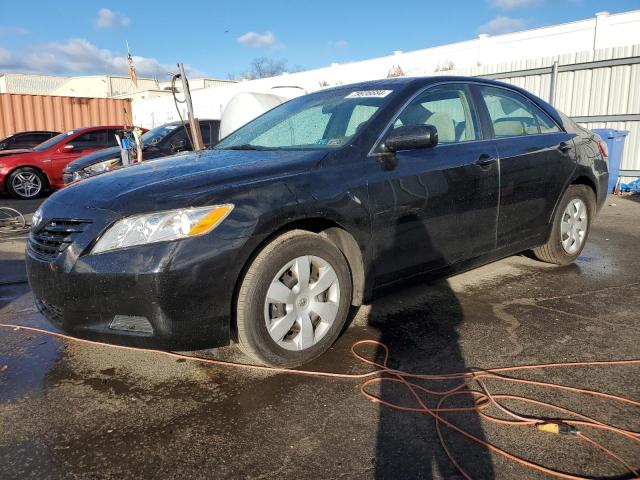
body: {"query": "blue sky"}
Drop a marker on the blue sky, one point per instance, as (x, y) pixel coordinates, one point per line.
(218, 38)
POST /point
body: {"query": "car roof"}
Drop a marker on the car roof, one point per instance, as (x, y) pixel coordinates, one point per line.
(34, 131)
(424, 81)
(178, 122)
(96, 127)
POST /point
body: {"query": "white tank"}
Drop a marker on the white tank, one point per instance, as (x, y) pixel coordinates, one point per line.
(245, 106)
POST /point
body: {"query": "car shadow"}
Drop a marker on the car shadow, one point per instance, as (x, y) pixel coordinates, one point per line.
(419, 326)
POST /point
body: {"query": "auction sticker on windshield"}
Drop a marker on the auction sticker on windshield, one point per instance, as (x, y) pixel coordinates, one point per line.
(369, 94)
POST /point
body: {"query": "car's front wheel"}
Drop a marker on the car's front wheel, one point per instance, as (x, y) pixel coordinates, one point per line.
(571, 225)
(294, 300)
(26, 183)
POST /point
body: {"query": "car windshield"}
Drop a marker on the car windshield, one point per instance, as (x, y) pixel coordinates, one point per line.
(323, 120)
(156, 135)
(53, 141)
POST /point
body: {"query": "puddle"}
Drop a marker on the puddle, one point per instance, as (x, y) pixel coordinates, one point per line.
(27, 368)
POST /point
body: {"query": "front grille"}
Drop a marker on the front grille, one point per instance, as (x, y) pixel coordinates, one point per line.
(52, 239)
(51, 312)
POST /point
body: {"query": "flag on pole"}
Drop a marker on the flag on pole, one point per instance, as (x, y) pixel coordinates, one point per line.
(132, 68)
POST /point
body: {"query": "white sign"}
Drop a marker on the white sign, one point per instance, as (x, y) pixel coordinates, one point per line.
(369, 94)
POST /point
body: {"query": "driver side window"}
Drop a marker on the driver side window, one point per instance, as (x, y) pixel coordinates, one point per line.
(448, 109)
(89, 140)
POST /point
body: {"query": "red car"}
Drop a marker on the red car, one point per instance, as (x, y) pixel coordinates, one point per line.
(27, 175)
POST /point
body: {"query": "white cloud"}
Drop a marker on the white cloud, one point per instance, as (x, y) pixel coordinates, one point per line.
(339, 44)
(502, 24)
(108, 19)
(78, 56)
(511, 4)
(8, 31)
(258, 40)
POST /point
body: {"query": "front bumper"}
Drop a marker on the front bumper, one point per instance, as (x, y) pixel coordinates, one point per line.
(184, 290)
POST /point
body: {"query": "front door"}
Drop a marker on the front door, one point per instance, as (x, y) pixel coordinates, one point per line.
(435, 206)
(83, 144)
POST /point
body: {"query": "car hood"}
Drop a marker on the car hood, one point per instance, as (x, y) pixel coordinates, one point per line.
(182, 181)
(15, 151)
(92, 158)
(108, 153)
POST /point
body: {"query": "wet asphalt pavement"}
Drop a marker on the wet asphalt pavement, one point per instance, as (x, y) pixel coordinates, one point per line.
(72, 410)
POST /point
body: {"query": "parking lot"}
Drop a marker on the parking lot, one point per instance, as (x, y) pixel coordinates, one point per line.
(72, 410)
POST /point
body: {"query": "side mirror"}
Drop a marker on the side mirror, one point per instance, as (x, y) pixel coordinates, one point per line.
(411, 137)
(68, 148)
(178, 145)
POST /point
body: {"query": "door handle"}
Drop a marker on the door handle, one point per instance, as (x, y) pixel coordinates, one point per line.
(485, 160)
(564, 146)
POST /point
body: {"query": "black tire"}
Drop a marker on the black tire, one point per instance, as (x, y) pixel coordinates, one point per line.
(252, 334)
(29, 172)
(553, 251)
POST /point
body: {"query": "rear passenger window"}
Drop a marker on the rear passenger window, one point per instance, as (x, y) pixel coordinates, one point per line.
(111, 141)
(448, 109)
(512, 115)
(88, 140)
(205, 133)
(215, 132)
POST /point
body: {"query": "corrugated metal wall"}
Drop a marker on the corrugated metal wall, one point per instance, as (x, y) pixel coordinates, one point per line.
(593, 92)
(42, 112)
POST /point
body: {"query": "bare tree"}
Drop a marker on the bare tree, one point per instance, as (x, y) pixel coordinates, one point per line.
(264, 67)
(395, 71)
(445, 67)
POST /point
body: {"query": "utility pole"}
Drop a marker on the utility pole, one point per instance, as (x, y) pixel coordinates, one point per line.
(193, 122)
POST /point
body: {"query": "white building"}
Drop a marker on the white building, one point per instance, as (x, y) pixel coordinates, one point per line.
(28, 83)
(603, 93)
(95, 86)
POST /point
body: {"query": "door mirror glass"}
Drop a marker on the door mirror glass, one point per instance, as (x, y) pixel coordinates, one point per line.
(178, 145)
(68, 148)
(411, 137)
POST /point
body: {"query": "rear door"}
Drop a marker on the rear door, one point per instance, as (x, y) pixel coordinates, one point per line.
(536, 159)
(435, 206)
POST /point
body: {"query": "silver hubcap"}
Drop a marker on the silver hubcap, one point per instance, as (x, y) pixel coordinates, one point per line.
(573, 227)
(27, 184)
(302, 303)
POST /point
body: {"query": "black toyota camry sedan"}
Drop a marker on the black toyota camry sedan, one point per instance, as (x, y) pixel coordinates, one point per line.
(318, 205)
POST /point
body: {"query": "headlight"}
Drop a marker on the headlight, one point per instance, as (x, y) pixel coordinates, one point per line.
(162, 227)
(102, 166)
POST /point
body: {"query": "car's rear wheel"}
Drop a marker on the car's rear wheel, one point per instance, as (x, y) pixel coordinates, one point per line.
(571, 225)
(26, 183)
(294, 300)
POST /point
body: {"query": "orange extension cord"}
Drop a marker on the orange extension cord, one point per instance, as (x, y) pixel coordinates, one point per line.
(482, 397)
